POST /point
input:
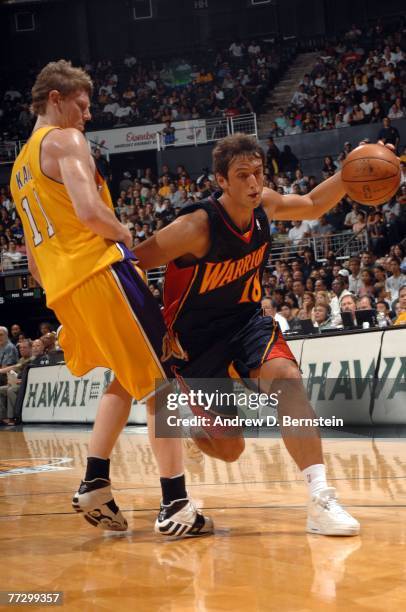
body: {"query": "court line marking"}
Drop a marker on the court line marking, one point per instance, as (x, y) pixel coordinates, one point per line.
(208, 484)
(271, 507)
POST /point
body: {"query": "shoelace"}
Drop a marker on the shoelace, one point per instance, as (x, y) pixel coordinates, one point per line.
(331, 503)
(190, 505)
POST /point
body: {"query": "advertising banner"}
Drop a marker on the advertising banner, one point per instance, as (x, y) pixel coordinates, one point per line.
(390, 388)
(53, 394)
(339, 372)
(142, 137)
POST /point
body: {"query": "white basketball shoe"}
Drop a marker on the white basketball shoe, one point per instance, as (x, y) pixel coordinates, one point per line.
(182, 518)
(95, 499)
(325, 516)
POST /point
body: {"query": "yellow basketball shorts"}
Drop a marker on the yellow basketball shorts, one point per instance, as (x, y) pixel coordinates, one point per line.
(113, 321)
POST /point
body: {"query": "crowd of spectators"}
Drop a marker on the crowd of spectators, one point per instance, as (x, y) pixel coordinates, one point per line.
(146, 203)
(381, 227)
(304, 294)
(303, 290)
(18, 353)
(309, 296)
(12, 242)
(234, 80)
(359, 79)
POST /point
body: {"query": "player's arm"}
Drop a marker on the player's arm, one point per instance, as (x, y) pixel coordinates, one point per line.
(32, 266)
(293, 207)
(71, 152)
(188, 235)
(321, 199)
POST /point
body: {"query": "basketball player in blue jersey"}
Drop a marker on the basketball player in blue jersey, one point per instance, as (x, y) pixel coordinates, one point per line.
(216, 251)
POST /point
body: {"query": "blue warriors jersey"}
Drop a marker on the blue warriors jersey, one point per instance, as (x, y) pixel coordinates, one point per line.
(219, 293)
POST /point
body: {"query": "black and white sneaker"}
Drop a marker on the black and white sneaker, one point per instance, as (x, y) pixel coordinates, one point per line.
(182, 518)
(95, 499)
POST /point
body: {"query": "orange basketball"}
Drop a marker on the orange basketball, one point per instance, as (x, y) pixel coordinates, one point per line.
(371, 174)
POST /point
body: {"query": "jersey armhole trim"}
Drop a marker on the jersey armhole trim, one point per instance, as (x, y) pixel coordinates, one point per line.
(39, 160)
(183, 298)
(198, 260)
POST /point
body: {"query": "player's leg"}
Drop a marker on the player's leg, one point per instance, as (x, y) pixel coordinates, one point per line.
(268, 359)
(129, 330)
(325, 515)
(94, 497)
(302, 443)
(209, 374)
(178, 515)
(226, 449)
(112, 417)
(215, 440)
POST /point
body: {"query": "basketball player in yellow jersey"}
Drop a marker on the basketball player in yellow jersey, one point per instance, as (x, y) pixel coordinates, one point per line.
(79, 252)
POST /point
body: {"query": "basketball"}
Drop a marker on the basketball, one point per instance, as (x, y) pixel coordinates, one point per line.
(371, 174)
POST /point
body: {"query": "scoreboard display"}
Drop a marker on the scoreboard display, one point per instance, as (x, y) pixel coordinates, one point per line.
(19, 288)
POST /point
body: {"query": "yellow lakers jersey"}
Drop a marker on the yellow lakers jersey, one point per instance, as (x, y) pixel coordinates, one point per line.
(66, 251)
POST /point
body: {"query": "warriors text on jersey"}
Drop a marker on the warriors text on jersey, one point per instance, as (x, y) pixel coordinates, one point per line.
(65, 251)
(218, 294)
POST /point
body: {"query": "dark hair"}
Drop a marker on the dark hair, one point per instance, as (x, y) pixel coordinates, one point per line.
(368, 297)
(400, 246)
(231, 147)
(309, 293)
(279, 291)
(292, 296)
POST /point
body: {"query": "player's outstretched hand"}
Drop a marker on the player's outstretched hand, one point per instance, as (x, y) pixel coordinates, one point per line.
(381, 143)
(389, 146)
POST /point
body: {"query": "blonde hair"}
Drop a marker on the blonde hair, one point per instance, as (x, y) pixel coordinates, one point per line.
(326, 298)
(61, 76)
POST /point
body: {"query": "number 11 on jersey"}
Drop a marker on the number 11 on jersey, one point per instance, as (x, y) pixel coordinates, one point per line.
(36, 234)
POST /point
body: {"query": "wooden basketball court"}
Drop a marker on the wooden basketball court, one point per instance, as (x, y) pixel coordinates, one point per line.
(260, 557)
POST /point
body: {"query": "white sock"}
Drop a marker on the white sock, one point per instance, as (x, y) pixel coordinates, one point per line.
(315, 478)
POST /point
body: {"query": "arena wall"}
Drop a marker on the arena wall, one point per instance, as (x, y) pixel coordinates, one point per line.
(359, 377)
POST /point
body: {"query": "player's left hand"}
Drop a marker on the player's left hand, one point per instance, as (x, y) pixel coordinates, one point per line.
(390, 146)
